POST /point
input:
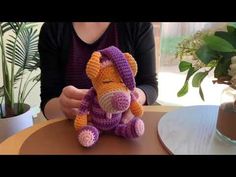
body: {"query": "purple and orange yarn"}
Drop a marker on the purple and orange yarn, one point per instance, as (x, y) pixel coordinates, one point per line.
(112, 74)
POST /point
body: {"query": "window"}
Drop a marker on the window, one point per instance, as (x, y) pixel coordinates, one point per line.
(170, 80)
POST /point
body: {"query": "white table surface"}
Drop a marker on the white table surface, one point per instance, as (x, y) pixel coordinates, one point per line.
(192, 130)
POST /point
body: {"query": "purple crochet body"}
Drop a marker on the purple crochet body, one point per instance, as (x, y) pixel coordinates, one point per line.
(98, 115)
(100, 120)
(115, 104)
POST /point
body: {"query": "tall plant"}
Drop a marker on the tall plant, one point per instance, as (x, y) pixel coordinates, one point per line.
(19, 58)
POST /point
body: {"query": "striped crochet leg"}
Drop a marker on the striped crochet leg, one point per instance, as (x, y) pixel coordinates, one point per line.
(133, 129)
(88, 135)
(80, 121)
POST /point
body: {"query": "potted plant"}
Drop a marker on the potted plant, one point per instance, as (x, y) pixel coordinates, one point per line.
(19, 60)
(213, 50)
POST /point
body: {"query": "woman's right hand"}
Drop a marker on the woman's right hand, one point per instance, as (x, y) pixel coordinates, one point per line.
(70, 100)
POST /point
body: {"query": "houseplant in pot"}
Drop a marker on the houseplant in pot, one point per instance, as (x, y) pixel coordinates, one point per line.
(19, 60)
(213, 51)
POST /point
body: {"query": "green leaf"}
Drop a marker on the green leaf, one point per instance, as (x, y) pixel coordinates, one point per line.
(35, 79)
(231, 29)
(222, 68)
(184, 65)
(191, 71)
(205, 54)
(212, 63)
(218, 44)
(230, 37)
(201, 93)
(26, 50)
(1, 91)
(233, 24)
(8, 28)
(5, 27)
(183, 90)
(198, 78)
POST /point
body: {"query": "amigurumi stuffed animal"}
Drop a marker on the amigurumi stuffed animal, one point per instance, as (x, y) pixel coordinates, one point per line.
(112, 74)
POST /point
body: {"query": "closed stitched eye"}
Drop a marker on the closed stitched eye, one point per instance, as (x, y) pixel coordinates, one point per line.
(106, 81)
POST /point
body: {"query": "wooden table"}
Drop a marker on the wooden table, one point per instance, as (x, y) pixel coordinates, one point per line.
(13, 144)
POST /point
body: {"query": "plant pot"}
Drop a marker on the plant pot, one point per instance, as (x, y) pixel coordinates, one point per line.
(12, 125)
(226, 120)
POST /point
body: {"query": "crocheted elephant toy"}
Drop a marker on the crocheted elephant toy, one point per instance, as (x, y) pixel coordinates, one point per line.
(112, 74)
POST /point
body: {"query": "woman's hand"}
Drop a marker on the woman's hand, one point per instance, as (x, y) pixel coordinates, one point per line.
(70, 99)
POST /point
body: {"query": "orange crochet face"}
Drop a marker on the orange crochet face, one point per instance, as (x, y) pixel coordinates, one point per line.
(108, 80)
(112, 94)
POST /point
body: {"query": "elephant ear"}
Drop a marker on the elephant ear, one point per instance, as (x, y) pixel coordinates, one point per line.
(132, 63)
(93, 65)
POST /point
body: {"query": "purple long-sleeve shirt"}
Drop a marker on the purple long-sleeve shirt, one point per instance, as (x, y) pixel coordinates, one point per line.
(55, 47)
(81, 52)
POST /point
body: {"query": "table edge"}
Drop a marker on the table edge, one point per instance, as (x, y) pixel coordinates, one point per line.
(12, 145)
